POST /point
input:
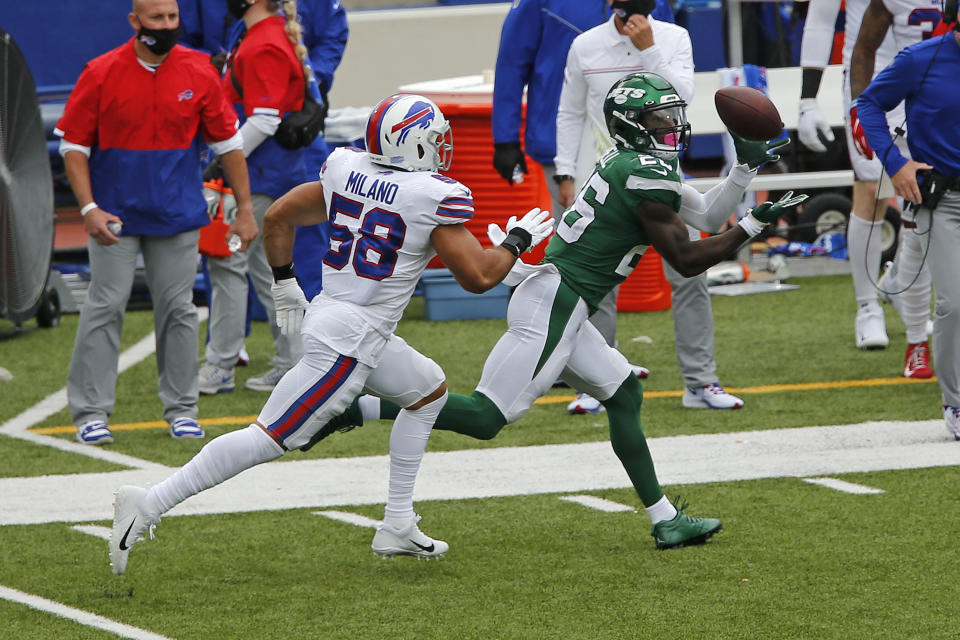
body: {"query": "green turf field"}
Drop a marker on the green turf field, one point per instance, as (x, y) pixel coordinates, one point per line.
(795, 560)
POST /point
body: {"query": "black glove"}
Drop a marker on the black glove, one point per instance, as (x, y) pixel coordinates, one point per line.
(506, 157)
(213, 170)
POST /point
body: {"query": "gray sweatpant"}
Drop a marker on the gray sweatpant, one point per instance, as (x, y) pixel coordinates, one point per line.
(692, 313)
(228, 304)
(944, 261)
(170, 265)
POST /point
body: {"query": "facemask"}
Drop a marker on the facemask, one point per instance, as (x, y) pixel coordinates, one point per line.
(626, 8)
(159, 41)
(237, 7)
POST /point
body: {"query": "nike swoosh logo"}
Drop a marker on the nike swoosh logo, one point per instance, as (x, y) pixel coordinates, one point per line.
(123, 540)
(427, 549)
(662, 172)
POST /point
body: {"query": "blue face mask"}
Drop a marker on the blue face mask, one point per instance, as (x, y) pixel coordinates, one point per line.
(626, 8)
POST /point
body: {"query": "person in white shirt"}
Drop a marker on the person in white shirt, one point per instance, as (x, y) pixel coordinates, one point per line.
(632, 41)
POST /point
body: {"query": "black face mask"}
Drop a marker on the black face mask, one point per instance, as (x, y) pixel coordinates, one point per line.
(626, 8)
(159, 41)
(237, 7)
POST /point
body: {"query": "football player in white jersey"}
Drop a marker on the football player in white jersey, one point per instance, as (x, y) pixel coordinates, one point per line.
(870, 44)
(390, 212)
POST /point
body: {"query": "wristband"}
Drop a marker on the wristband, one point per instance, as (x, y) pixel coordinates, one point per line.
(283, 273)
(751, 225)
(562, 178)
(87, 208)
(517, 241)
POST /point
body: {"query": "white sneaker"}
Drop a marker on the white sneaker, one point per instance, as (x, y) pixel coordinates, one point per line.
(243, 358)
(952, 417)
(211, 380)
(871, 328)
(267, 381)
(94, 432)
(129, 524)
(711, 396)
(389, 542)
(585, 403)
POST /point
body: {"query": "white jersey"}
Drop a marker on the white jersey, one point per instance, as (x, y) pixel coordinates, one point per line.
(851, 27)
(913, 20)
(381, 220)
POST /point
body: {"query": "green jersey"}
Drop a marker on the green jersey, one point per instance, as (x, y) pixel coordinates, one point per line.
(599, 240)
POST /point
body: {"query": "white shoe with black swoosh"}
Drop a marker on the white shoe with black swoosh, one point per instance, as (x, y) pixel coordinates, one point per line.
(129, 525)
(389, 542)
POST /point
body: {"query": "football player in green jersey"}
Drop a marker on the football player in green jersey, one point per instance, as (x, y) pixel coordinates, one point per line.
(634, 199)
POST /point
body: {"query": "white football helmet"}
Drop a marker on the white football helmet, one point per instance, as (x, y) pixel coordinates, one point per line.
(408, 131)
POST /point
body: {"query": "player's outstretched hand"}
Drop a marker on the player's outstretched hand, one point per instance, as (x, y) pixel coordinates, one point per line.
(538, 224)
(812, 127)
(755, 153)
(289, 304)
(768, 212)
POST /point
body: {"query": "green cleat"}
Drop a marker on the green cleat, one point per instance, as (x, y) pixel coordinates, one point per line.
(683, 530)
(346, 421)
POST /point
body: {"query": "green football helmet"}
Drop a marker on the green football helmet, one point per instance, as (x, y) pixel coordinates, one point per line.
(645, 114)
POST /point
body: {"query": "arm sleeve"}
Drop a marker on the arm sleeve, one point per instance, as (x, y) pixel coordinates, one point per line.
(218, 120)
(678, 70)
(709, 211)
(326, 38)
(519, 42)
(80, 119)
(256, 129)
(571, 115)
(456, 207)
(885, 92)
(818, 30)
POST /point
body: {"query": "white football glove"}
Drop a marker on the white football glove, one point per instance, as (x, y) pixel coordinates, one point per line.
(229, 207)
(212, 196)
(812, 122)
(539, 224)
(289, 304)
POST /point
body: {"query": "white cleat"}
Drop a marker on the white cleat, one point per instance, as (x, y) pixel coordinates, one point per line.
(389, 542)
(129, 525)
(871, 327)
(584, 403)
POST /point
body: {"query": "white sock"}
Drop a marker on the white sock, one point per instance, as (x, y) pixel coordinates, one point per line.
(408, 441)
(369, 407)
(661, 510)
(222, 458)
(864, 257)
(914, 302)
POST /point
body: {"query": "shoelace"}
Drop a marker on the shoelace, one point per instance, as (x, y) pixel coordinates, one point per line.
(715, 389)
(919, 357)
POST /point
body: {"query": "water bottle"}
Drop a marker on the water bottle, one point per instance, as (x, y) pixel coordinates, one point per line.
(517, 175)
(234, 243)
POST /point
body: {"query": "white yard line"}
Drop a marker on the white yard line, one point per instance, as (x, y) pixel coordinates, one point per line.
(842, 485)
(78, 615)
(17, 427)
(349, 518)
(505, 471)
(94, 530)
(601, 504)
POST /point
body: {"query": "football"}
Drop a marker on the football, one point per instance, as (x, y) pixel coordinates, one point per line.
(748, 113)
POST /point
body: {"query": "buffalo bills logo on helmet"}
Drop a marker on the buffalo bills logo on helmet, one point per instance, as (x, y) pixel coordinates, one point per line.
(420, 115)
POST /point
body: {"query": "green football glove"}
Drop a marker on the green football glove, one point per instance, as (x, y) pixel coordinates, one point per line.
(753, 154)
(768, 212)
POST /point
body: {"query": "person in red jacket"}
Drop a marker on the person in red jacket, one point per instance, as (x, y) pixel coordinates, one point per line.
(128, 141)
